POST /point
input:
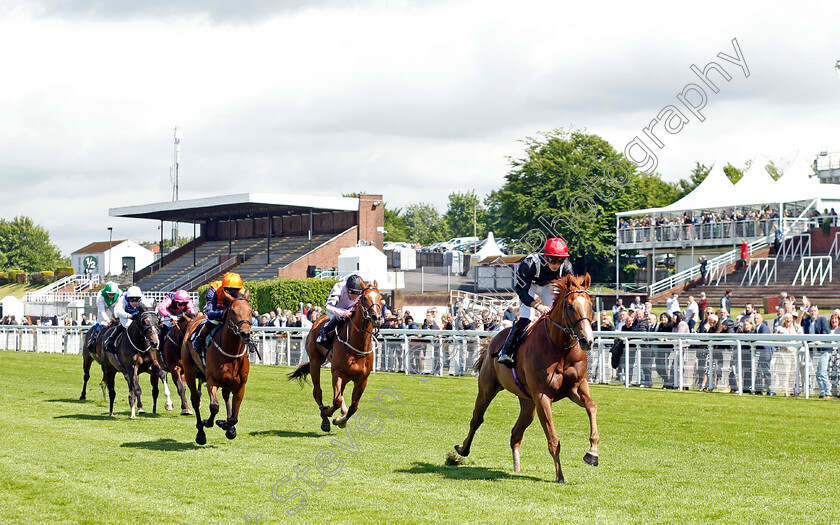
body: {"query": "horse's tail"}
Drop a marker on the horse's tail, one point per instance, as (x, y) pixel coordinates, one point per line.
(300, 373)
(482, 355)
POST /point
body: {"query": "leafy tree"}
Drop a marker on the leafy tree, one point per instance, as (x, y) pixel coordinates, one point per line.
(396, 229)
(734, 173)
(774, 169)
(465, 215)
(698, 175)
(561, 180)
(26, 246)
(424, 224)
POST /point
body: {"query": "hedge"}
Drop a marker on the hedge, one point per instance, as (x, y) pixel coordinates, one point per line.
(64, 271)
(282, 293)
(16, 276)
(41, 278)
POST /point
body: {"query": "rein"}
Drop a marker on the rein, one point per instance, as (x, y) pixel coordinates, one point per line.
(569, 331)
(237, 331)
(366, 317)
(147, 314)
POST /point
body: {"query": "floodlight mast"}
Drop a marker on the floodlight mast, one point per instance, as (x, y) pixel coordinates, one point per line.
(178, 136)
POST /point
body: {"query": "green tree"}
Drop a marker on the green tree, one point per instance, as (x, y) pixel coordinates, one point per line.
(396, 229)
(697, 175)
(27, 246)
(424, 224)
(560, 188)
(734, 173)
(465, 214)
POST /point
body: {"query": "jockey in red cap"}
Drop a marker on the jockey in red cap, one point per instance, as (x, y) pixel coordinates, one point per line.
(536, 295)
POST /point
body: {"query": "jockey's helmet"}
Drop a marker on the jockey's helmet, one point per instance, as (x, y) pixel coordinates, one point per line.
(133, 293)
(556, 247)
(355, 285)
(181, 296)
(232, 280)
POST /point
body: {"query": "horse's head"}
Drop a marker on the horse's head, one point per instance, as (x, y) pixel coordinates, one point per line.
(239, 318)
(147, 320)
(370, 303)
(572, 309)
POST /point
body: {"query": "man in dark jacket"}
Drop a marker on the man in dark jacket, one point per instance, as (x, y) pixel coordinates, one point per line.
(765, 355)
(816, 325)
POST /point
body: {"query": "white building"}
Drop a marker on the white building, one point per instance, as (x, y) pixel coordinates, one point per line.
(109, 257)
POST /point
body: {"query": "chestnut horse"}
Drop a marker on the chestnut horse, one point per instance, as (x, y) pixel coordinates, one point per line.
(136, 353)
(550, 365)
(227, 367)
(351, 359)
(170, 354)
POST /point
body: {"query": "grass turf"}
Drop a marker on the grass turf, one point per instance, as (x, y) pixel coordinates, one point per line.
(666, 457)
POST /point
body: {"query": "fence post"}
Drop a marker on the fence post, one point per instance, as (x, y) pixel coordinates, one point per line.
(440, 354)
(289, 348)
(405, 353)
(627, 370)
(807, 369)
(680, 360)
(740, 369)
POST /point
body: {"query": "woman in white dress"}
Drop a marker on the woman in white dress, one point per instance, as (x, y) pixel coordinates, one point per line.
(784, 359)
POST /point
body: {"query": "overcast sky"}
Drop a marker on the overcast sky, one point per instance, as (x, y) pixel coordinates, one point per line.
(411, 99)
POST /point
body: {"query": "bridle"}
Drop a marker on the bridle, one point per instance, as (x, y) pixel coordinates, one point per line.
(236, 328)
(570, 331)
(366, 316)
(152, 324)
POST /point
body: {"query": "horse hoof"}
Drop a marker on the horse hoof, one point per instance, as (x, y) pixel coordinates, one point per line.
(207, 423)
(461, 451)
(201, 439)
(325, 425)
(230, 433)
(141, 411)
(169, 406)
(221, 423)
(82, 397)
(561, 481)
(186, 412)
(590, 459)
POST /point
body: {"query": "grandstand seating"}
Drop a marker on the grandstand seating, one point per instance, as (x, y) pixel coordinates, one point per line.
(284, 250)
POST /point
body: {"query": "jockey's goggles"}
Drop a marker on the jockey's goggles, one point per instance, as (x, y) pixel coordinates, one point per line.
(180, 303)
(232, 291)
(354, 292)
(550, 259)
(133, 299)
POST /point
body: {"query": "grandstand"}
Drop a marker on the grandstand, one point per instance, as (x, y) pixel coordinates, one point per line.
(259, 236)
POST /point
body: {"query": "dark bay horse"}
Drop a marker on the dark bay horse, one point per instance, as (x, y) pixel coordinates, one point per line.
(89, 357)
(352, 357)
(550, 365)
(136, 353)
(170, 354)
(226, 367)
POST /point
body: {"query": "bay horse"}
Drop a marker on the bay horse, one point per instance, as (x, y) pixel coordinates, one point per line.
(550, 365)
(89, 357)
(351, 358)
(170, 355)
(227, 366)
(136, 353)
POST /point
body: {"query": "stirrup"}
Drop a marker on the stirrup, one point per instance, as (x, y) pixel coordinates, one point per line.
(506, 360)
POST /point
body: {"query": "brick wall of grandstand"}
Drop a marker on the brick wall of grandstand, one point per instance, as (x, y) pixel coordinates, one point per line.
(729, 361)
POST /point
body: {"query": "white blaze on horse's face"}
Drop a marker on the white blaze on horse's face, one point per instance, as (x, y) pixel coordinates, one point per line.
(585, 326)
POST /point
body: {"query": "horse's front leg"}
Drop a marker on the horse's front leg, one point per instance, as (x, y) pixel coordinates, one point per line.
(544, 413)
(358, 390)
(229, 426)
(338, 396)
(88, 360)
(580, 395)
(212, 390)
(180, 384)
(133, 395)
(155, 390)
(195, 399)
(488, 387)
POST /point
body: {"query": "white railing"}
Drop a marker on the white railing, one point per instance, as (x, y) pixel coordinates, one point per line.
(87, 282)
(682, 361)
(760, 269)
(79, 283)
(66, 297)
(724, 231)
(473, 301)
(835, 246)
(812, 269)
(797, 245)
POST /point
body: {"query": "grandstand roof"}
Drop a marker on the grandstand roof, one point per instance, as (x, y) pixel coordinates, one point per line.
(235, 206)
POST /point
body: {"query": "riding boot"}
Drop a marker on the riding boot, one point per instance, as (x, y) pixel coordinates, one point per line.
(109, 343)
(91, 347)
(508, 350)
(162, 335)
(198, 340)
(325, 338)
